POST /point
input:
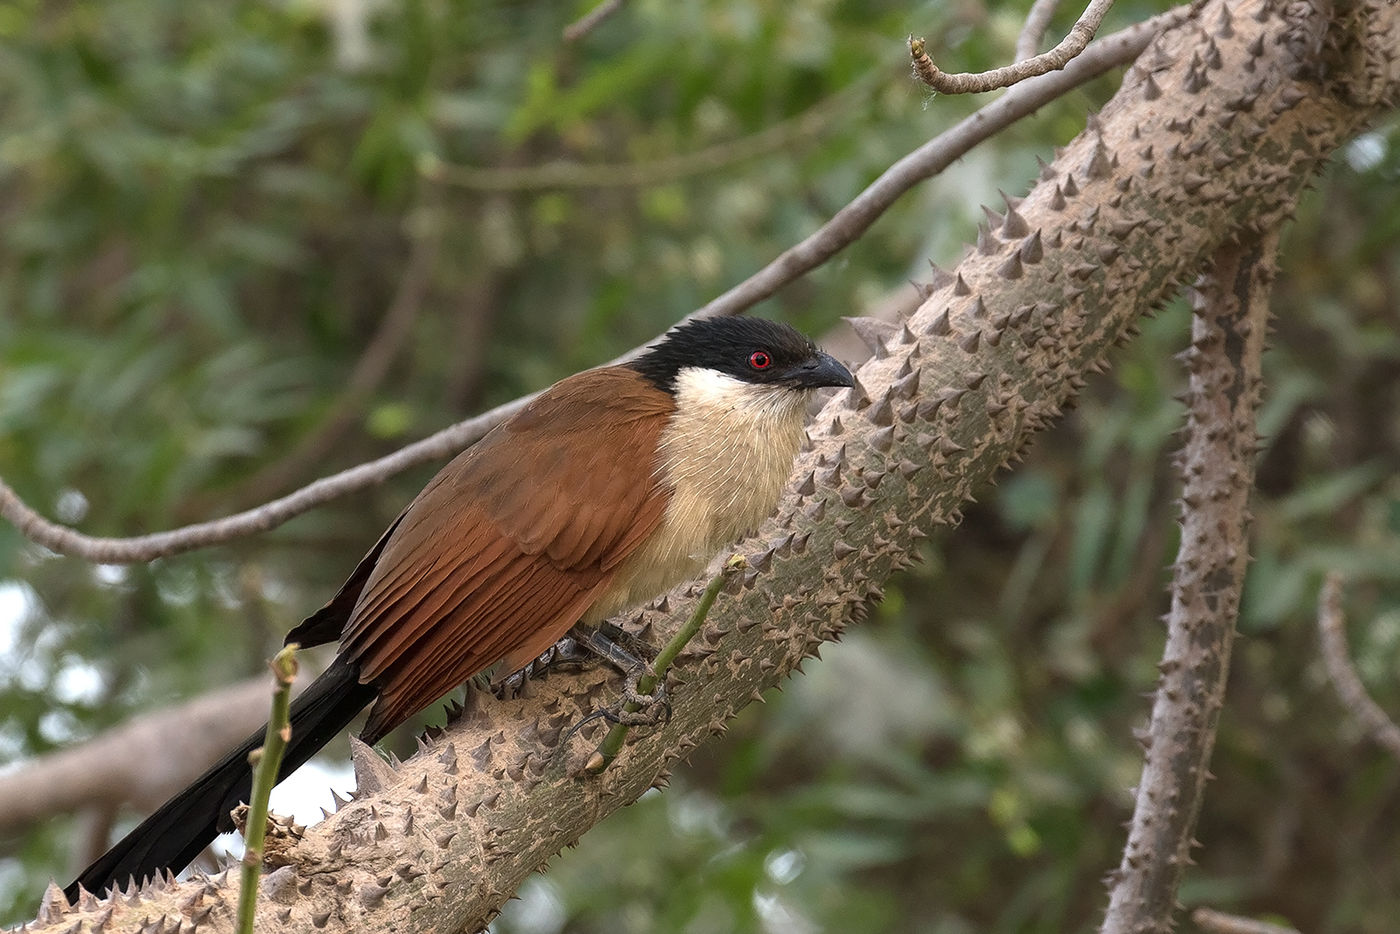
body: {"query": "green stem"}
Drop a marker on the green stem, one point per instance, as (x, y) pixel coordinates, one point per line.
(612, 743)
(265, 762)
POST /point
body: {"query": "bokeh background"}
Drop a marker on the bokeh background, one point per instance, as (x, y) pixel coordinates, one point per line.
(246, 245)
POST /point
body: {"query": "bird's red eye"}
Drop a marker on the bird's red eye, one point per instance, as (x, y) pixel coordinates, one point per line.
(760, 360)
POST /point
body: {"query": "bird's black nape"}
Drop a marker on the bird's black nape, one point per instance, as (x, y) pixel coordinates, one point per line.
(728, 345)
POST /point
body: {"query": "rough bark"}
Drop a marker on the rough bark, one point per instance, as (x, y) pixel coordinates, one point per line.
(1215, 131)
(1224, 362)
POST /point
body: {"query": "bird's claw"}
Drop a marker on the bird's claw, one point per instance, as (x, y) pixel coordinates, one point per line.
(651, 709)
(646, 709)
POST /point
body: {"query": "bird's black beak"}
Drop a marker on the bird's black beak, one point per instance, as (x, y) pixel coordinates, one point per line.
(819, 370)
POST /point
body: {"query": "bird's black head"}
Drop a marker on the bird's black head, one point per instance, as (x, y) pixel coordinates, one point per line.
(750, 349)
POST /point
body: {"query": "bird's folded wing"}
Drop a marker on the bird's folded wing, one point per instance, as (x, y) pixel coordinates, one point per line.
(511, 543)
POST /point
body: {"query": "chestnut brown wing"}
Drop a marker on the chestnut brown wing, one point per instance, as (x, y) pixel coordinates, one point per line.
(511, 543)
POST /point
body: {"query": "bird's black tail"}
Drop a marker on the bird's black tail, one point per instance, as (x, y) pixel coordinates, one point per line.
(175, 834)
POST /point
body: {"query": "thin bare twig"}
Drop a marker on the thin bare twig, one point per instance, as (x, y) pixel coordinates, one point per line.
(844, 228)
(1217, 469)
(1218, 922)
(976, 83)
(780, 137)
(590, 20)
(368, 373)
(1033, 31)
(1331, 628)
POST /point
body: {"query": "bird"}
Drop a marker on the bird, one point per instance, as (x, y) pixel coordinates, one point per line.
(605, 491)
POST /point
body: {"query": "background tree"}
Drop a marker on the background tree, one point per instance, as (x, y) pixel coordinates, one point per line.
(242, 252)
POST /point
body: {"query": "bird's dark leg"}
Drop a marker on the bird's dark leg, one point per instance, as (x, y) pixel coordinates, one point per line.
(606, 641)
(568, 654)
(613, 644)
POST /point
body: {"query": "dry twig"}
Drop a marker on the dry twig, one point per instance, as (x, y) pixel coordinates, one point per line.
(1331, 628)
(976, 83)
(780, 137)
(367, 375)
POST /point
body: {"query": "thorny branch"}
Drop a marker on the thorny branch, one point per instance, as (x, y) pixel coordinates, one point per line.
(977, 83)
(1331, 627)
(1230, 305)
(844, 228)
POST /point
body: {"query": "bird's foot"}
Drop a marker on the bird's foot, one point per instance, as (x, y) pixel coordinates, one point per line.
(635, 709)
(621, 649)
(564, 656)
(646, 709)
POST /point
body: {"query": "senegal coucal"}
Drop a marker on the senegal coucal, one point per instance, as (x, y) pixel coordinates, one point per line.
(610, 488)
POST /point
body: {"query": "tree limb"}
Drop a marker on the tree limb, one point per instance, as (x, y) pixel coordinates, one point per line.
(1231, 306)
(838, 233)
(135, 763)
(1218, 922)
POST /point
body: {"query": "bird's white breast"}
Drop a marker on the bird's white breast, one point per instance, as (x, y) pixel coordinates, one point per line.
(726, 455)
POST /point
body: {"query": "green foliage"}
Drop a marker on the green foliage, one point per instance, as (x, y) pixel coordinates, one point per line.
(209, 209)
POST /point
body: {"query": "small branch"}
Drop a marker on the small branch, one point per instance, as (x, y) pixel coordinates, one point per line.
(977, 83)
(591, 20)
(68, 541)
(1217, 469)
(1331, 627)
(848, 225)
(612, 743)
(781, 137)
(368, 373)
(265, 761)
(1037, 22)
(1218, 922)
